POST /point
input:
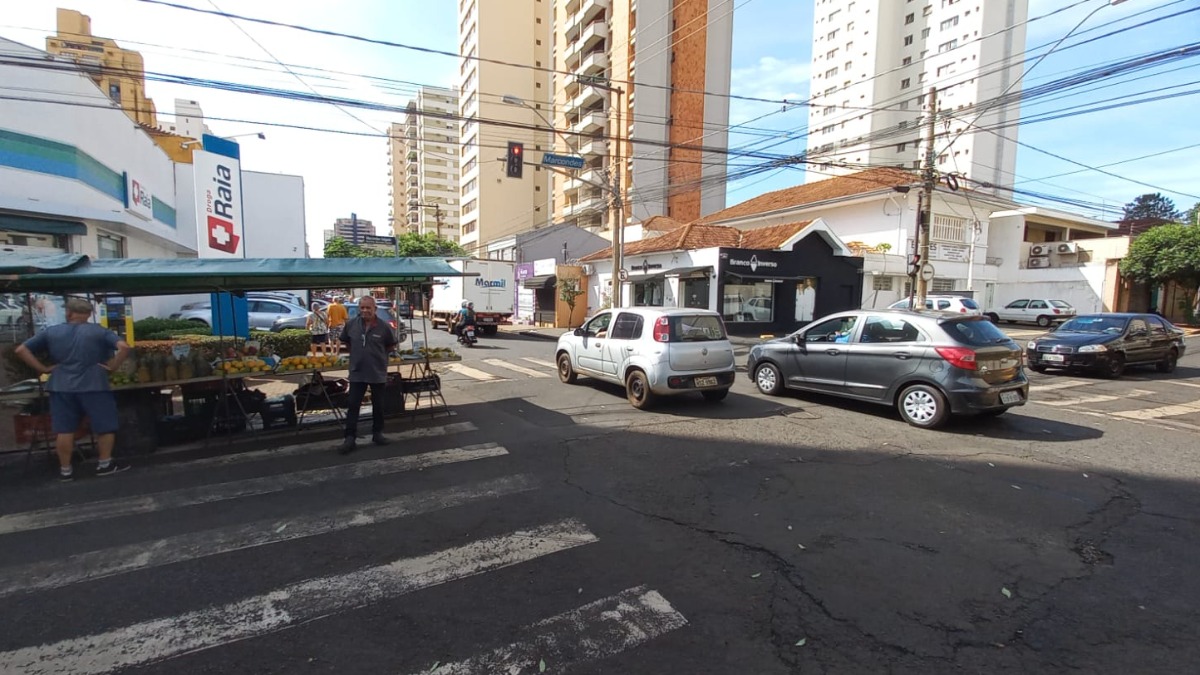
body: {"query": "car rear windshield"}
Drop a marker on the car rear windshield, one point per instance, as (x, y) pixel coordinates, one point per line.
(696, 328)
(975, 333)
(1060, 304)
(969, 303)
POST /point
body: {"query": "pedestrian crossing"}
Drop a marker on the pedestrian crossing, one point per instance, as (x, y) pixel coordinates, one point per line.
(500, 370)
(1145, 399)
(629, 617)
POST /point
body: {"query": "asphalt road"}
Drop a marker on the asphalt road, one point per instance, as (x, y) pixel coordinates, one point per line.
(551, 526)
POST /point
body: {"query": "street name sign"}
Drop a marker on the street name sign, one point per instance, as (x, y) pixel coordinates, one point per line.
(566, 161)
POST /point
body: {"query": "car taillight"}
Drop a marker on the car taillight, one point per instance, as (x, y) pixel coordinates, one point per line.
(959, 357)
(962, 310)
(1057, 312)
(662, 329)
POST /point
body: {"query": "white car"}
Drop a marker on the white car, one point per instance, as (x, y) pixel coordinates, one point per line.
(652, 352)
(959, 304)
(1041, 311)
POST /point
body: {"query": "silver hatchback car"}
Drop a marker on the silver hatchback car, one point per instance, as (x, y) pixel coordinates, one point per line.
(652, 352)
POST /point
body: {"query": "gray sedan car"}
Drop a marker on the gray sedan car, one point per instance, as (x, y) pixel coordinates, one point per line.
(265, 314)
(927, 364)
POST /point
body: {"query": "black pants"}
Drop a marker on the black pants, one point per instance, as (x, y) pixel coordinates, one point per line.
(357, 391)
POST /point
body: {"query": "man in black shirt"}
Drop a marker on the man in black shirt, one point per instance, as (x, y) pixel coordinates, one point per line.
(369, 341)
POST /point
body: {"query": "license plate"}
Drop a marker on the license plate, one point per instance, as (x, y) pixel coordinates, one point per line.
(706, 381)
(486, 319)
(1053, 358)
(1010, 397)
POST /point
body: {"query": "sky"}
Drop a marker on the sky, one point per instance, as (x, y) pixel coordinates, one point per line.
(346, 171)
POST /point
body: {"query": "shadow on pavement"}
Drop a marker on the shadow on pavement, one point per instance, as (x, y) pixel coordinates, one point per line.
(692, 404)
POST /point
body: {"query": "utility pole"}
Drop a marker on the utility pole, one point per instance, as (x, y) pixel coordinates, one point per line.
(618, 220)
(925, 214)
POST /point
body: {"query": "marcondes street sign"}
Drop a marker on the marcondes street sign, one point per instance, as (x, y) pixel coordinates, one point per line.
(566, 161)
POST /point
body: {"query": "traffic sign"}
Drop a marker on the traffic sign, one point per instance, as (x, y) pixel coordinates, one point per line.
(623, 274)
(378, 241)
(927, 272)
(566, 161)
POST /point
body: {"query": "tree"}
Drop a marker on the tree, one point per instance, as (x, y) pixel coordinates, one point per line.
(1168, 253)
(569, 291)
(1152, 207)
(1192, 216)
(340, 248)
(427, 245)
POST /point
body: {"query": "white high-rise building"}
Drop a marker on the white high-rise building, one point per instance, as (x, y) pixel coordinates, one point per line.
(189, 120)
(424, 158)
(873, 63)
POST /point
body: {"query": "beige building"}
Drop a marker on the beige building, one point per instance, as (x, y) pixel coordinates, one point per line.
(424, 162)
(677, 55)
(120, 73)
(493, 206)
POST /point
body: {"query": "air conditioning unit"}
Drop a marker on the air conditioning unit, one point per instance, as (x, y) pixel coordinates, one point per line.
(1039, 249)
(1039, 262)
(589, 269)
(1066, 248)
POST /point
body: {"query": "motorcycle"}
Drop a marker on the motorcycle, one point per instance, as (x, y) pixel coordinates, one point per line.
(467, 335)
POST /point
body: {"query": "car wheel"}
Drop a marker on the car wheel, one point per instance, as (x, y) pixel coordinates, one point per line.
(923, 406)
(1043, 321)
(637, 390)
(768, 379)
(566, 372)
(993, 317)
(714, 395)
(1115, 366)
(1167, 365)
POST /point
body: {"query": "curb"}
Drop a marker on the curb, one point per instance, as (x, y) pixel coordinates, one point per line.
(535, 334)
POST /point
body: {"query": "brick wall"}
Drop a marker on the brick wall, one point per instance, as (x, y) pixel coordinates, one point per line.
(689, 44)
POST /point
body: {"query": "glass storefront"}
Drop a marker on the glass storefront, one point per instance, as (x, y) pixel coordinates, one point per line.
(694, 292)
(748, 300)
(649, 293)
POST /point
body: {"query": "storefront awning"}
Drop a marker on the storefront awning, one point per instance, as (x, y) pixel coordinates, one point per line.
(765, 276)
(15, 223)
(687, 272)
(547, 281)
(164, 276)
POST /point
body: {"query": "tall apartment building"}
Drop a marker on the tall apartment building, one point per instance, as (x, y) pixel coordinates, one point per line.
(351, 229)
(492, 206)
(424, 156)
(677, 54)
(189, 120)
(873, 64)
(120, 73)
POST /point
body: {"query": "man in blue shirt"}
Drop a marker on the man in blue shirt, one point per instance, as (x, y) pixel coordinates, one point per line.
(83, 353)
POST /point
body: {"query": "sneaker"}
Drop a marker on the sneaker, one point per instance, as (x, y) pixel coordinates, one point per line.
(66, 477)
(380, 439)
(348, 446)
(113, 467)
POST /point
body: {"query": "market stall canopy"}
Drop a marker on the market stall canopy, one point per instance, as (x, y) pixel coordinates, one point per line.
(13, 263)
(27, 225)
(158, 276)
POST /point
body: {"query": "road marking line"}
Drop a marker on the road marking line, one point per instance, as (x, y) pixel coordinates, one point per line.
(516, 369)
(594, 631)
(1182, 384)
(205, 494)
(193, 545)
(471, 372)
(547, 364)
(1099, 398)
(1059, 385)
(304, 448)
(1162, 411)
(302, 602)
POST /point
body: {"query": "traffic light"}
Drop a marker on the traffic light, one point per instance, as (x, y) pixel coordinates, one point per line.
(514, 163)
(914, 264)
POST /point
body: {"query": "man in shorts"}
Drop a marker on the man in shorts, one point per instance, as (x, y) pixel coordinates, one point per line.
(83, 353)
(336, 314)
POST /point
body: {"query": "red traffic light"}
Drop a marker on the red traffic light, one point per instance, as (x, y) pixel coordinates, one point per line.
(516, 149)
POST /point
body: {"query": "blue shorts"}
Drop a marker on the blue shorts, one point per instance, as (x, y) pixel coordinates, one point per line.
(67, 410)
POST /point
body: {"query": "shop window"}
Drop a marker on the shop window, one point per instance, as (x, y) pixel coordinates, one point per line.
(648, 293)
(110, 246)
(941, 286)
(749, 301)
(695, 293)
(627, 327)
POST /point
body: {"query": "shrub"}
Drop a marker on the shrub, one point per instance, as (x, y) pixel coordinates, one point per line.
(290, 342)
(143, 329)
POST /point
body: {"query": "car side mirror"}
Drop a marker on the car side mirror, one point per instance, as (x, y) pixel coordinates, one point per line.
(578, 332)
(801, 342)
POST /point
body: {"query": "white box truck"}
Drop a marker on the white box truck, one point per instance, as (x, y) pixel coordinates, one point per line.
(492, 291)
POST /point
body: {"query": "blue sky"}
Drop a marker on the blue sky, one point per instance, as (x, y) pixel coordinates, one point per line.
(348, 172)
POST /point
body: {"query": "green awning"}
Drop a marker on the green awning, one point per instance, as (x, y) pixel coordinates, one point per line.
(14, 223)
(158, 276)
(14, 263)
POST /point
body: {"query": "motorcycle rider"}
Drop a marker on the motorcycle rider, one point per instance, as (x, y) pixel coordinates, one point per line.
(466, 317)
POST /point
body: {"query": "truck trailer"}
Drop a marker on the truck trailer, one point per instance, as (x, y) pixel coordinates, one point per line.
(491, 290)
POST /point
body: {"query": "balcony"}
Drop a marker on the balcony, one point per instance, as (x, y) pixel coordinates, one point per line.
(588, 97)
(589, 147)
(594, 63)
(594, 34)
(589, 204)
(590, 123)
(588, 11)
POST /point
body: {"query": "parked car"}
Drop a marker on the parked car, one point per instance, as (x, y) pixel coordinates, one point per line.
(652, 352)
(960, 304)
(1041, 311)
(265, 314)
(1108, 343)
(928, 364)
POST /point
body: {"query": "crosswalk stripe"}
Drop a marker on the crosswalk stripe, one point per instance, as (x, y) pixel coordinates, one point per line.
(594, 631)
(516, 369)
(1099, 398)
(205, 494)
(306, 601)
(1067, 384)
(1161, 411)
(305, 448)
(471, 372)
(1182, 384)
(539, 362)
(193, 545)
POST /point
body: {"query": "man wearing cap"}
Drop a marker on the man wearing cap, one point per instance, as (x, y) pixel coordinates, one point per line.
(84, 354)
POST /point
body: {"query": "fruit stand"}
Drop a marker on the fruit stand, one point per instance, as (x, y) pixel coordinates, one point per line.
(196, 387)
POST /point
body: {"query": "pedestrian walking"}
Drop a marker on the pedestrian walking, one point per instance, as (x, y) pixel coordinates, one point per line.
(83, 354)
(318, 326)
(336, 314)
(369, 341)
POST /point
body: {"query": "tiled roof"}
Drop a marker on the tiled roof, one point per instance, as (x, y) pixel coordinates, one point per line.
(660, 224)
(809, 193)
(697, 236)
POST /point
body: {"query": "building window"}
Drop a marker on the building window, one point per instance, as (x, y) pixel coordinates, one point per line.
(470, 206)
(901, 147)
(648, 293)
(468, 228)
(110, 246)
(909, 19)
(945, 70)
(831, 72)
(948, 228)
(941, 286)
(114, 92)
(927, 11)
(950, 23)
(881, 283)
(470, 186)
(947, 46)
(470, 165)
(907, 40)
(907, 61)
(924, 33)
(905, 83)
(747, 300)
